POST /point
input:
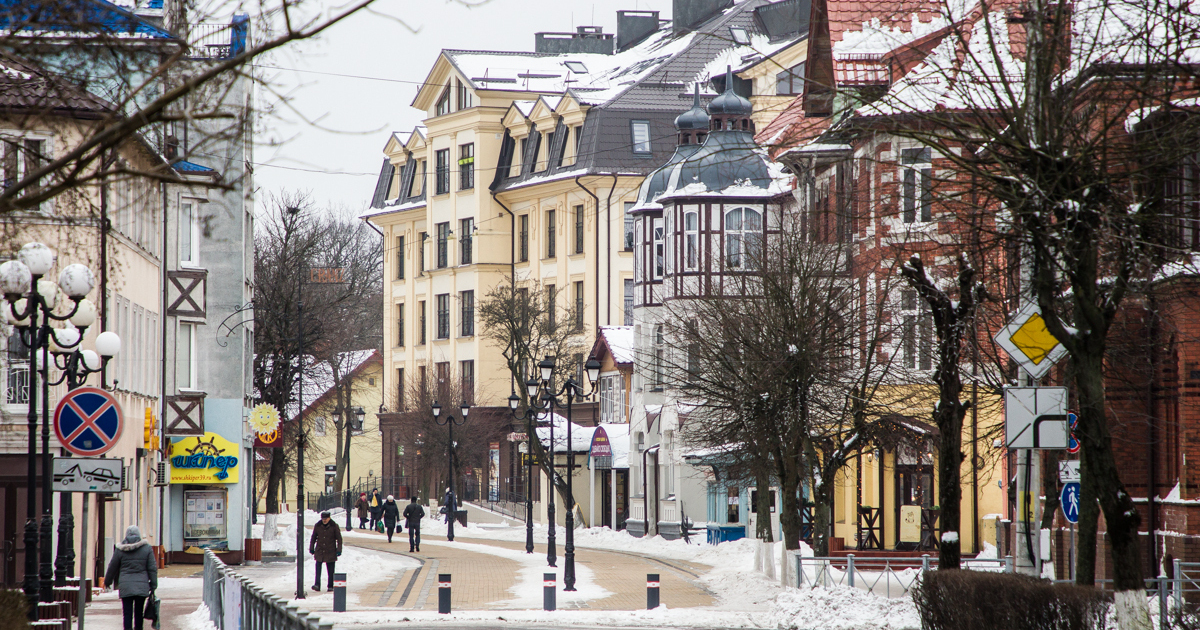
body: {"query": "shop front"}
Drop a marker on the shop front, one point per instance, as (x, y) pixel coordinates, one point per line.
(206, 472)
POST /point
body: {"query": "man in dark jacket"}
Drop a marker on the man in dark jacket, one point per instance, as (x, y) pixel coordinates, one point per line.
(133, 571)
(391, 514)
(325, 545)
(412, 519)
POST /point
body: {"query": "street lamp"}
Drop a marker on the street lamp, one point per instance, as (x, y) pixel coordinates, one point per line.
(450, 421)
(356, 424)
(551, 399)
(32, 300)
(531, 412)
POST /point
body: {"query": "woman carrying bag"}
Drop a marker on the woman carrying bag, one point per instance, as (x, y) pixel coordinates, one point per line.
(133, 571)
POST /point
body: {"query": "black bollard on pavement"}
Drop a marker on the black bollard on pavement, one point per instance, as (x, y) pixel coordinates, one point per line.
(339, 592)
(549, 595)
(444, 593)
(651, 591)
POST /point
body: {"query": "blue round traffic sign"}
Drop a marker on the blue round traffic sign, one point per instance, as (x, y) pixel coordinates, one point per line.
(88, 421)
(1072, 443)
(1069, 501)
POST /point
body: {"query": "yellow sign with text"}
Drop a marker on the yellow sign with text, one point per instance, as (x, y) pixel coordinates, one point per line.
(204, 459)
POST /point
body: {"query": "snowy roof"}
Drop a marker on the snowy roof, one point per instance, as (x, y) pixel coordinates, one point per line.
(618, 440)
(318, 378)
(581, 436)
(619, 340)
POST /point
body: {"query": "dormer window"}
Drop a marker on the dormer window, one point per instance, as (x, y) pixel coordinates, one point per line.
(641, 136)
(443, 103)
(790, 82)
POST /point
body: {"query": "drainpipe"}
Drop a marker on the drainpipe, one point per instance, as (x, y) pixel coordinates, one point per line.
(597, 202)
(607, 255)
(1151, 409)
(512, 257)
(162, 391)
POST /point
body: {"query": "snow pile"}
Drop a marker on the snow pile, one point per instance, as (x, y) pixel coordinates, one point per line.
(199, 620)
(843, 608)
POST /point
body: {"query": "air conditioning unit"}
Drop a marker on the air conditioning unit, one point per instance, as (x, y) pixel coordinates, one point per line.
(162, 474)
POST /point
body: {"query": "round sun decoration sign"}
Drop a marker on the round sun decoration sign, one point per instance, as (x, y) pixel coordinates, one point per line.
(264, 419)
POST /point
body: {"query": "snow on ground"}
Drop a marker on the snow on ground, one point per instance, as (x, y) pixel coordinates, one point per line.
(842, 608)
(369, 567)
(199, 620)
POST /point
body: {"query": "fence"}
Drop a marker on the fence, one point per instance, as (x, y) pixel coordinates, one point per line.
(236, 603)
(886, 576)
(510, 504)
(398, 487)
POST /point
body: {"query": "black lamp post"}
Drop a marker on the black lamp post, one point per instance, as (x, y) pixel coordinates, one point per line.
(572, 390)
(31, 303)
(531, 412)
(356, 424)
(450, 421)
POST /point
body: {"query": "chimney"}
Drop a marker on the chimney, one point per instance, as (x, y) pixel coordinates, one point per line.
(585, 39)
(635, 26)
(686, 15)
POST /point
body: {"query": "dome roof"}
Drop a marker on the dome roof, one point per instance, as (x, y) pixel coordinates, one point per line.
(656, 183)
(728, 103)
(694, 118)
(726, 158)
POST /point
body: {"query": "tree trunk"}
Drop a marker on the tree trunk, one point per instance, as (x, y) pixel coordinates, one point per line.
(789, 506)
(950, 421)
(822, 517)
(762, 506)
(275, 479)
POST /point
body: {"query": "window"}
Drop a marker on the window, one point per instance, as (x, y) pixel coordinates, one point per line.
(659, 245)
(466, 301)
(552, 306)
(628, 302)
(641, 136)
(466, 237)
(399, 325)
(532, 156)
(917, 194)
(629, 226)
(691, 240)
(578, 229)
(421, 263)
(790, 82)
(578, 138)
(740, 36)
(421, 339)
(550, 234)
(442, 171)
(185, 357)
(466, 370)
(188, 235)
(443, 316)
(319, 426)
(442, 371)
(917, 332)
(612, 398)
(743, 238)
(576, 66)
(443, 104)
(522, 298)
(464, 95)
(656, 371)
(443, 244)
(17, 392)
(523, 238)
(399, 389)
(400, 253)
(466, 166)
(579, 305)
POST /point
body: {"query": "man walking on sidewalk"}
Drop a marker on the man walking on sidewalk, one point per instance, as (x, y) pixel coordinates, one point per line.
(325, 545)
(412, 518)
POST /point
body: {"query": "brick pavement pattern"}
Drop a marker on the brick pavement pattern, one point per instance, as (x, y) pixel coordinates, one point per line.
(483, 581)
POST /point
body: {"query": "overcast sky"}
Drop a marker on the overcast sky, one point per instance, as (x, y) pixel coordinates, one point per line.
(352, 88)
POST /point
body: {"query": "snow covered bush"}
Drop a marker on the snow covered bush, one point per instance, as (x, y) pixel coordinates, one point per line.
(974, 600)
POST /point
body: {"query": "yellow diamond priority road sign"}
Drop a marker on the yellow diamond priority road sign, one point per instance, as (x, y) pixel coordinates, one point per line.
(1027, 341)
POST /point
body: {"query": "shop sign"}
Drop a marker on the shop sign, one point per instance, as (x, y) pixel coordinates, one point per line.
(601, 450)
(264, 421)
(207, 458)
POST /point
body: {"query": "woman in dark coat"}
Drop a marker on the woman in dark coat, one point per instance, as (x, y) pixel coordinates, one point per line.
(361, 506)
(133, 571)
(391, 513)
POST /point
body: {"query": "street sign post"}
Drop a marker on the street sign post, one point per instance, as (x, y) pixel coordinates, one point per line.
(1036, 417)
(1072, 442)
(1069, 500)
(1027, 341)
(88, 421)
(75, 474)
(1068, 471)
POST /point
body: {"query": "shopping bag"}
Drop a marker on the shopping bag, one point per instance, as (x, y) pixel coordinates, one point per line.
(379, 526)
(151, 612)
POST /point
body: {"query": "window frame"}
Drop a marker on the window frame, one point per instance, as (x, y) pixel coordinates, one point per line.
(190, 360)
(743, 261)
(442, 257)
(794, 78)
(400, 256)
(523, 238)
(466, 313)
(691, 240)
(579, 210)
(658, 248)
(400, 325)
(191, 226)
(630, 232)
(442, 106)
(551, 234)
(916, 185)
(466, 166)
(442, 316)
(441, 171)
(423, 336)
(627, 286)
(579, 304)
(642, 148)
(466, 240)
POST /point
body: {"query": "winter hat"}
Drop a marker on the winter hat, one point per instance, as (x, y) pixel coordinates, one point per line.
(132, 534)
(390, 498)
(325, 514)
(362, 494)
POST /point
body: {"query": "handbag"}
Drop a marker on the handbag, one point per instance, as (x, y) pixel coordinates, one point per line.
(151, 612)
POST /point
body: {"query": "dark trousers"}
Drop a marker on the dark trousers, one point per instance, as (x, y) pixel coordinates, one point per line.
(329, 569)
(132, 607)
(414, 538)
(362, 523)
(391, 528)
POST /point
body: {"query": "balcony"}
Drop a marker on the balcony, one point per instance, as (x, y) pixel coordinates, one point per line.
(219, 41)
(17, 386)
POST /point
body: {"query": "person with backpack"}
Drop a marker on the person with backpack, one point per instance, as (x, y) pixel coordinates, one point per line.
(413, 514)
(391, 514)
(133, 571)
(325, 545)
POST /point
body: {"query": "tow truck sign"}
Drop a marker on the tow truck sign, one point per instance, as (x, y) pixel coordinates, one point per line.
(79, 474)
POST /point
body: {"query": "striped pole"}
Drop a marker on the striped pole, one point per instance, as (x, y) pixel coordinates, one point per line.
(651, 591)
(444, 593)
(548, 593)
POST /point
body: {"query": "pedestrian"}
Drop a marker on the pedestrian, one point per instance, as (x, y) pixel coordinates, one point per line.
(133, 571)
(376, 507)
(413, 514)
(448, 507)
(361, 506)
(391, 514)
(325, 545)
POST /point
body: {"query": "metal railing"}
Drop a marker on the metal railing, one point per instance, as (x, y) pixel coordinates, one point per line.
(236, 603)
(886, 576)
(510, 504)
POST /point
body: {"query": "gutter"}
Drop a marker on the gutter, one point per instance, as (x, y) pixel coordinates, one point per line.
(597, 200)
(512, 261)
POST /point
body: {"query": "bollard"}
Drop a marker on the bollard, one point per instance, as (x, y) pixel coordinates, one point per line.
(548, 594)
(850, 568)
(1008, 564)
(444, 593)
(651, 591)
(339, 592)
(924, 563)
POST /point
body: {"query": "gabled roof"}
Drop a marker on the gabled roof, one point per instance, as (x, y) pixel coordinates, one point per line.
(616, 341)
(318, 382)
(76, 19)
(26, 88)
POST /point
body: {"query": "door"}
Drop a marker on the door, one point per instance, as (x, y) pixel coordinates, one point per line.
(914, 486)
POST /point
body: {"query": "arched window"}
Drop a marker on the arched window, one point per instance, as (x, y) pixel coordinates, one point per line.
(743, 238)
(691, 240)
